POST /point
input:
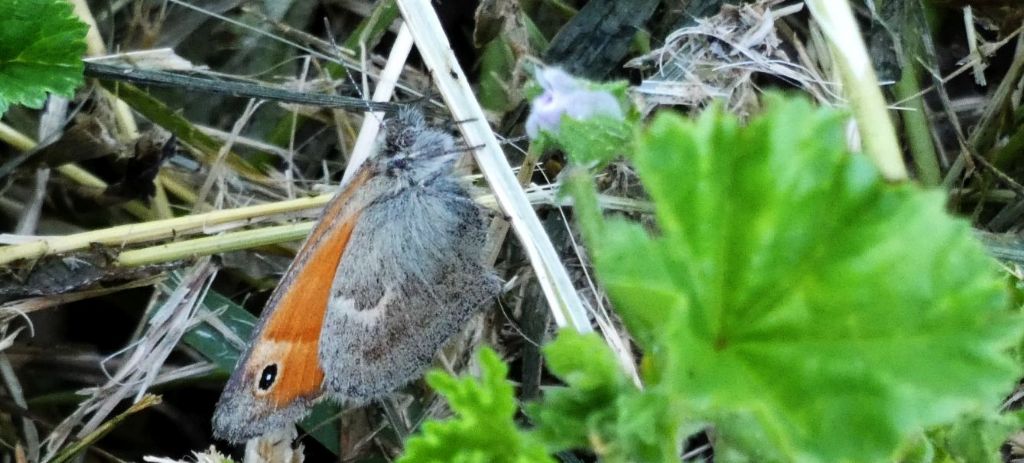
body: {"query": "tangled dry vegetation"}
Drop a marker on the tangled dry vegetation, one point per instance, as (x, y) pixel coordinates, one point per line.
(117, 338)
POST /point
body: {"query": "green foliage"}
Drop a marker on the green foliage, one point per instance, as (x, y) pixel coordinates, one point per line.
(595, 141)
(595, 383)
(41, 48)
(499, 59)
(600, 139)
(792, 292)
(601, 408)
(496, 63)
(483, 430)
(791, 299)
(974, 439)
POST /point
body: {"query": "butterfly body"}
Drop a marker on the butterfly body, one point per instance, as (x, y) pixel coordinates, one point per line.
(393, 269)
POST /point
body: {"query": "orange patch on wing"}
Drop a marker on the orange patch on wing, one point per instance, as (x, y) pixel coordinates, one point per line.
(334, 209)
(300, 303)
(300, 310)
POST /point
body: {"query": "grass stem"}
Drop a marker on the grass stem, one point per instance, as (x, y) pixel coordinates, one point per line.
(862, 89)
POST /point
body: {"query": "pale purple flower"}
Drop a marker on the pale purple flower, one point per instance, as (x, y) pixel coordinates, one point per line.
(565, 95)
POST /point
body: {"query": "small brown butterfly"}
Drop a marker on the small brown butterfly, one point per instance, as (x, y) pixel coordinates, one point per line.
(393, 269)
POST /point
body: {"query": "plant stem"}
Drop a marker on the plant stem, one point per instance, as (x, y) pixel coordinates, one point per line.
(869, 107)
(915, 125)
(18, 140)
(226, 242)
(134, 233)
(124, 235)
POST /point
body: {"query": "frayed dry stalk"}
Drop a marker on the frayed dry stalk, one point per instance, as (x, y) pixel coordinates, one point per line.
(142, 364)
(23, 307)
(78, 446)
(13, 386)
(22, 142)
(128, 129)
(719, 57)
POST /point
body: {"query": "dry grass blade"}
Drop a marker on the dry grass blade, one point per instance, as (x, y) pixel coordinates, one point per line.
(14, 390)
(51, 123)
(22, 307)
(142, 361)
(71, 451)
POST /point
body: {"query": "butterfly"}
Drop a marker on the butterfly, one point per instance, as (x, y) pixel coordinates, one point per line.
(394, 267)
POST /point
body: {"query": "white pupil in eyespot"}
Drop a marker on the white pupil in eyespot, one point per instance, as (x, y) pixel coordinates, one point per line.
(267, 377)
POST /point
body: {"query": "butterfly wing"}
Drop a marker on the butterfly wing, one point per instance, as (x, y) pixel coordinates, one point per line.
(278, 377)
(414, 281)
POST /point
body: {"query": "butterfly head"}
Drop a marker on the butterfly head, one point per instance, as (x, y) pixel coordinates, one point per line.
(414, 151)
(265, 394)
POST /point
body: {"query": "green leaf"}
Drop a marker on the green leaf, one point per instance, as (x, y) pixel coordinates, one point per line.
(919, 449)
(792, 293)
(41, 48)
(596, 140)
(975, 439)
(483, 429)
(585, 412)
(496, 64)
(600, 408)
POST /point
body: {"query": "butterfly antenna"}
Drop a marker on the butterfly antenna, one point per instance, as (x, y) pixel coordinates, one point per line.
(360, 89)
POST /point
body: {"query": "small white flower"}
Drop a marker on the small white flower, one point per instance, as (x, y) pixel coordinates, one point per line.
(565, 95)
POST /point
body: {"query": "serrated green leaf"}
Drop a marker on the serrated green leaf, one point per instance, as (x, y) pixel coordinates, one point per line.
(573, 417)
(974, 439)
(793, 291)
(41, 48)
(600, 408)
(483, 429)
(595, 141)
